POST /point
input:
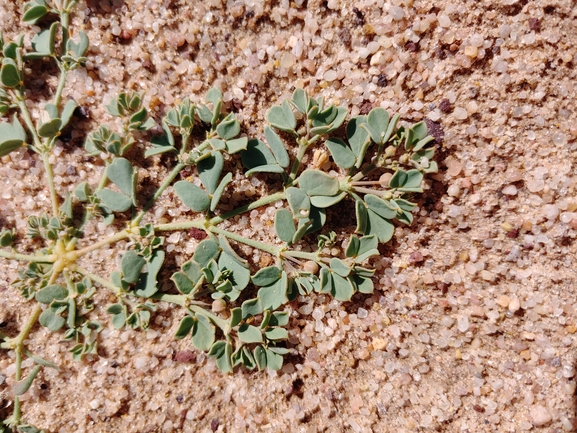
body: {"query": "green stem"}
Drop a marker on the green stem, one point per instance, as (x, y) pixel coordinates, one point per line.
(302, 255)
(62, 80)
(365, 171)
(110, 240)
(65, 22)
(271, 249)
(221, 323)
(254, 205)
(28, 120)
(185, 225)
(50, 178)
(297, 162)
(175, 171)
(25, 257)
(103, 282)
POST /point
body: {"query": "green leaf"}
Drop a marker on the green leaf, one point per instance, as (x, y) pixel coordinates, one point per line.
(202, 333)
(249, 334)
(251, 307)
(51, 321)
(380, 206)
(115, 309)
(300, 100)
(267, 276)
(50, 128)
(184, 284)
(12, 136)
(277, 147)
(240, 273)
(339, 267)
(364, 285)
(275, 295)
(78, 49)
(219, 191)
(192, 196)
(362, 217)
(228, 128)
(205, 252)
(52, 110)
(131, 265)
(326, 281)
(235, 316)
(146, 284)
(315, 182)
(276, 334)
(382, 228)
(321, 201)
(192, 270)
(209, 170)
(367, 248)
(284, 225)
(119, 320)
(120, 173)
(222, 351)
(282, 117)
(274, 361)
(260, 357)
(257, 154)
(24, 385)
(279, 318)
(50, 293)
(10, 75)
(265, 169)
(225, 247)
(236, 145)
(303, 228)
(412, 181)
(358, 138)
(378, 120)
(353, 247)
(213, 96)
(341, 153)
(342, 290)
(34, 12)
(299, 202)
(398, 179)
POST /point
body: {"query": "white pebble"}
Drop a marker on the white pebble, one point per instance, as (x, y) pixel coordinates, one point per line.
(540, 416)
(510, 190)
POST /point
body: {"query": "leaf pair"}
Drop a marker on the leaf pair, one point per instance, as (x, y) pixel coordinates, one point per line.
(259, 158)
(139, 272)
(216, 265)
(138, 318)
(12, 136)
(57, 121)
(343, 280)
(125, 177)
(203, 331)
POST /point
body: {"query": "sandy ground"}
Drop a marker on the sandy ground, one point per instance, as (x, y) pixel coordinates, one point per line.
(473, 326)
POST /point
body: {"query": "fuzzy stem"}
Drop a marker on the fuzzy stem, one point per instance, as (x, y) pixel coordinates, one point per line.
(103, 282)
(175, 171)
(365, 171)
(297, 162)
(110, 240)
(271, 249)
(61, 81)
(302, 255)
(221, 323)
(50, 178)
(254, 205)
(25, 257)
(28, 120)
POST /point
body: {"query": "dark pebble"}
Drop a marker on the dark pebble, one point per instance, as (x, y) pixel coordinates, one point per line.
(365, 107)
(214, 424)
(197, 234)
(535, 24)
(185, 356)
(445, 106)
(382, 80)
(345, 36)
(412, 47)
(435, 129)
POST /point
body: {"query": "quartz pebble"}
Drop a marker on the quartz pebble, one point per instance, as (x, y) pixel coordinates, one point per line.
(540, 416)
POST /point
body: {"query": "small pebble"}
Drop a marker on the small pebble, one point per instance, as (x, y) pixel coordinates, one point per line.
(540, 416)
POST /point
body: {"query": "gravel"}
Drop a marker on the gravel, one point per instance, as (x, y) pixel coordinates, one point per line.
(476, 332)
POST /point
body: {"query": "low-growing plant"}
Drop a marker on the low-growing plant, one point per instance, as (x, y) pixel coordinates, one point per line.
(233, 314)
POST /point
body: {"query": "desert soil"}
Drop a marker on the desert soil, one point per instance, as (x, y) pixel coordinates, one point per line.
(473, 324)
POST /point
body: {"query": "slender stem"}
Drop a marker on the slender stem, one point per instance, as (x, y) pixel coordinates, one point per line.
(271, 249)
(50, 178)
(27, 119)
(363, 190)
(184, 225)
(254, 205)
(297, 163)
(62, 80)
(173, 299)
(365, 171)
(110, 240)
(25, 257)
(302, 255)
(221, 323)
(65, 22)
(103, 282)
(177, 169)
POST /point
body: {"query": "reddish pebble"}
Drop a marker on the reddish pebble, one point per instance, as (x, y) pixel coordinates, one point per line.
(185, 356)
